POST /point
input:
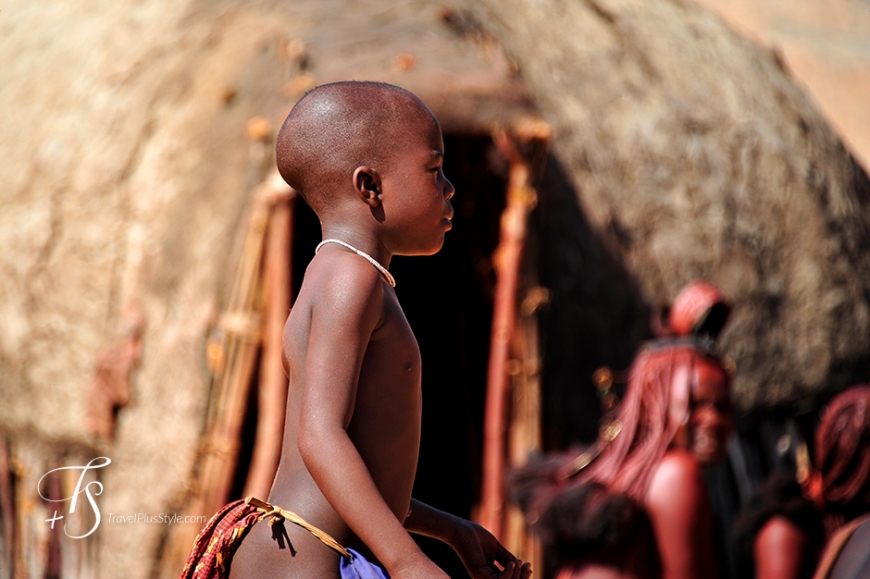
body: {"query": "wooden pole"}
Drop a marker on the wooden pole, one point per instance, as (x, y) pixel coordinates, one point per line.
(12, 558)
(272, 392)
(521, 199)
(242, 325)
(524, 431)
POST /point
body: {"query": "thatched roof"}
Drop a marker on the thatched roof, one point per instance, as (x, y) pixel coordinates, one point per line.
(693, 153)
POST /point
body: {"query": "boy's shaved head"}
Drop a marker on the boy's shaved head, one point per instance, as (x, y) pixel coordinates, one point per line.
(338, 127)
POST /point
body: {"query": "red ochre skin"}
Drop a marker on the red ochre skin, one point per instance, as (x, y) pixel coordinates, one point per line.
(711, 424)
(677, 499)
(352, 430)
(779, 549)
(680, 511)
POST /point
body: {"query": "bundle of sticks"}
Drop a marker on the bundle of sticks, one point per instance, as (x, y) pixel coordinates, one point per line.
(250, 328)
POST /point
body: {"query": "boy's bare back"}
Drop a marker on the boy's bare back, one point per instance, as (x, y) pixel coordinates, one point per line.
(367, 158)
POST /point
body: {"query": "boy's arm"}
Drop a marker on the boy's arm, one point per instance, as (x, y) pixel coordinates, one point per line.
(476, 546)
(345, 314)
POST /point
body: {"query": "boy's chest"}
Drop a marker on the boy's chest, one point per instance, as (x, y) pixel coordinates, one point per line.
(388, 406)
(391, 372)
(393, 347)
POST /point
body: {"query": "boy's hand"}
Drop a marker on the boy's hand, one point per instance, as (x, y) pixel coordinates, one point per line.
(479, 552)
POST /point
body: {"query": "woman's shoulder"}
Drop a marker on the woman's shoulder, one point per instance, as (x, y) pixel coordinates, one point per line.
(677, 485)
(676, 470)
(681, 515)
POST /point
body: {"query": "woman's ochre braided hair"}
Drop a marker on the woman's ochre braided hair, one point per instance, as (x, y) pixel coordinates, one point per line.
(657, 404)
(841, 480)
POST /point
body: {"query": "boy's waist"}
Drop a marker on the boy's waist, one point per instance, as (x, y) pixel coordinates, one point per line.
(216, 545)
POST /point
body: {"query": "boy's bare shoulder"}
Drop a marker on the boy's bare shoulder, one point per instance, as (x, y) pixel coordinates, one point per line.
(341, 281)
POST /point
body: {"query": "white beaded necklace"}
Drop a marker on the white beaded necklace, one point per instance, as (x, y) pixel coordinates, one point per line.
(387, 275)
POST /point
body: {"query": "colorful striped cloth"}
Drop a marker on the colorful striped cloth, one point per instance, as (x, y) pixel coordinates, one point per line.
(217, 542)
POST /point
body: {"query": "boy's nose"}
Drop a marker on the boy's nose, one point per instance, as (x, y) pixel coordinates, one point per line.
(449, 191)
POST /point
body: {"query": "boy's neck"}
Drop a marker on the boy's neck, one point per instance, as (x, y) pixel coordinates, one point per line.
(388, 277)
(366, 242)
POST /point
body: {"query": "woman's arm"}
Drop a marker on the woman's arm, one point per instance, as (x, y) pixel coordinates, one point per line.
(679, 508)
(779, 549)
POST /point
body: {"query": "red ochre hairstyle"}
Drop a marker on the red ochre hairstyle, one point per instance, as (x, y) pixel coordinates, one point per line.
(656, 404)
(842, 477)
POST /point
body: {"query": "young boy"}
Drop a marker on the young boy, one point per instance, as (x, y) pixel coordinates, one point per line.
(368, 159)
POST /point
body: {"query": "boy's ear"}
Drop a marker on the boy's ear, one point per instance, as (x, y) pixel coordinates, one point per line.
(367, 183)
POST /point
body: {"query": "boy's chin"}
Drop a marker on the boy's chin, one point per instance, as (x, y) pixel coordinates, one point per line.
(426, 253)
(437, 248)
(432, 248)
(423, 248)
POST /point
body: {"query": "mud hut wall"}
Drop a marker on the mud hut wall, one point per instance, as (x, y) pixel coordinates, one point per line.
(126, 172)
(694, 154)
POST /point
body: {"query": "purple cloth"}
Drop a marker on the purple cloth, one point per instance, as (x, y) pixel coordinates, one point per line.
(358, 567)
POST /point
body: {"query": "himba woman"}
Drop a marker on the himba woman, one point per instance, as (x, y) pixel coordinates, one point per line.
(839, 487)
(840, 484)
(635, 504)
(778, 532)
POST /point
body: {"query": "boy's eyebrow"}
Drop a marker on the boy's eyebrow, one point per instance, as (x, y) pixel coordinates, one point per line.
(437, 153)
